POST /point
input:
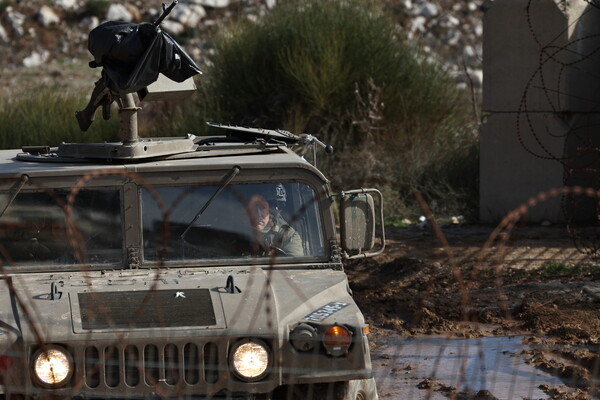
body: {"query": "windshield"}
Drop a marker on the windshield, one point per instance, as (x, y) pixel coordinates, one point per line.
(243, 221)
(33, 229)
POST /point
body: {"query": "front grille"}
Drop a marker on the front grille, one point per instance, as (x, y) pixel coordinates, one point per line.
(146, 309)
(134, 366)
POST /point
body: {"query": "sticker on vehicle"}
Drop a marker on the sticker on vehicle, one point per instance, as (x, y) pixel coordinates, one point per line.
(325, 311)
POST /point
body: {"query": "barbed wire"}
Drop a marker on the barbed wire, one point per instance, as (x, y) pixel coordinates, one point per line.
(580, 163)
(495, 250)
(463, 271)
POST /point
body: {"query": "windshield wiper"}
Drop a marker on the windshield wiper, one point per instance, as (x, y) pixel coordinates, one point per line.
(228, 178)
(13, 196)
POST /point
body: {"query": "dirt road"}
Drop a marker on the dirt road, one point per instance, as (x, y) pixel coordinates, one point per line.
(529, 301)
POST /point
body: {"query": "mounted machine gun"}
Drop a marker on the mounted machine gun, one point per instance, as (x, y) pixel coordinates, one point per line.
(132, 57)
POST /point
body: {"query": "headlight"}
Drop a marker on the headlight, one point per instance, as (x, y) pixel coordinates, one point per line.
(52, 366)
(303, 337)
(250, 360)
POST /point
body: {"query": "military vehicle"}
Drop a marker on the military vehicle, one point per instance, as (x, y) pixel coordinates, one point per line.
(140, 269)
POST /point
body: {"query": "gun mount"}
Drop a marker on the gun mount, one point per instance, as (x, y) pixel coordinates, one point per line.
(134, 58)
(132, 146)
(142, 60)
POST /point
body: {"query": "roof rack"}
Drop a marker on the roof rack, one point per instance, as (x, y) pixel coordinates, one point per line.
(237, 134)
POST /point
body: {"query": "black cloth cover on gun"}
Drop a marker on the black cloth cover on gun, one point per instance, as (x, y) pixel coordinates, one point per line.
(132, 55)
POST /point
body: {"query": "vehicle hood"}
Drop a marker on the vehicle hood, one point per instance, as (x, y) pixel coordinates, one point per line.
(258, 301)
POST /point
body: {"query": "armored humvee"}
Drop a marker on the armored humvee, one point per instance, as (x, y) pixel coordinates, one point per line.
(136, 270)
(180, 267)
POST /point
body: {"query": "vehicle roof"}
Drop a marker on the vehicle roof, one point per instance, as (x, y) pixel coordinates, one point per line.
(209, 158)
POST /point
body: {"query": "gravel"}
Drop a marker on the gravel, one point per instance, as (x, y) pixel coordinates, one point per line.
(33, 33)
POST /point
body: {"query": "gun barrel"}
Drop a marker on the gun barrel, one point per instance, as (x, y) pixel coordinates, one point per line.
(165, 13)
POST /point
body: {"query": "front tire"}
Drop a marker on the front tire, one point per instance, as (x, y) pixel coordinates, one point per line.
(359, 389)
(362, 389)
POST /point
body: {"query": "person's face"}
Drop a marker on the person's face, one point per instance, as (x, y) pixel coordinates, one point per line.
(262, 214)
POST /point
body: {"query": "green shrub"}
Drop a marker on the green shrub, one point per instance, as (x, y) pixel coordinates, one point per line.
(45, 117)
(451, 185)
(4, 4)
(559, 269)
(171, 118)
(341, 70)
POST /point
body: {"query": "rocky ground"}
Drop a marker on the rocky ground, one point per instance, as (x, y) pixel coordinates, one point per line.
(46, 42)
(531, 281)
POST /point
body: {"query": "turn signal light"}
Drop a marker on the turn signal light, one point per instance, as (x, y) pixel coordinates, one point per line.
(337, 335)
(337, 340)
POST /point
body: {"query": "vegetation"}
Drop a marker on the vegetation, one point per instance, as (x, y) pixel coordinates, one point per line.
(559, 269)
(345, 75)
(338, 69)
(4, 4)
(46, 117)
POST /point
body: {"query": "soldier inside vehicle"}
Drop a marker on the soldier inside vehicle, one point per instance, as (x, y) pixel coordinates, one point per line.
(274, 235)
(247, 220)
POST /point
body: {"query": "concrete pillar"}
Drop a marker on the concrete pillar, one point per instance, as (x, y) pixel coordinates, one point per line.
(582, 143)
(541, 98)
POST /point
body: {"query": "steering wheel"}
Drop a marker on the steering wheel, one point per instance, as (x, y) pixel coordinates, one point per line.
(278, 251)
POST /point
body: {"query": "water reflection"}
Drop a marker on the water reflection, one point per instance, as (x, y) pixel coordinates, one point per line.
(496, 364)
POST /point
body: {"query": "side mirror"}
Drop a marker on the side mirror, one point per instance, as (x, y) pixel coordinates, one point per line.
(358, 222)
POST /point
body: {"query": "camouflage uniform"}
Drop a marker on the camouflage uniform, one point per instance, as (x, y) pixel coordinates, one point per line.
(279, 233)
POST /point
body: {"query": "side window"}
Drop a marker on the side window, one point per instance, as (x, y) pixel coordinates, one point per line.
(34, 228)
(243, 221)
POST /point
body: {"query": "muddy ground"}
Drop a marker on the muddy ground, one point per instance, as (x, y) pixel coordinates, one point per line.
(534, 281)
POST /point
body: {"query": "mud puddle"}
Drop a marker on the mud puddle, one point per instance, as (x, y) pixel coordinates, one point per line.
(435, 367)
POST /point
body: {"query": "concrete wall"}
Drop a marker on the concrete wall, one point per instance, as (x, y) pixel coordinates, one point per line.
(541, 98)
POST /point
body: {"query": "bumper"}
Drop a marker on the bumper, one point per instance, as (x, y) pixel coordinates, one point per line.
(185, 368)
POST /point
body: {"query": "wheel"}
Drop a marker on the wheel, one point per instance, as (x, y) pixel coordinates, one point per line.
(362, 389)
(277, 251)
